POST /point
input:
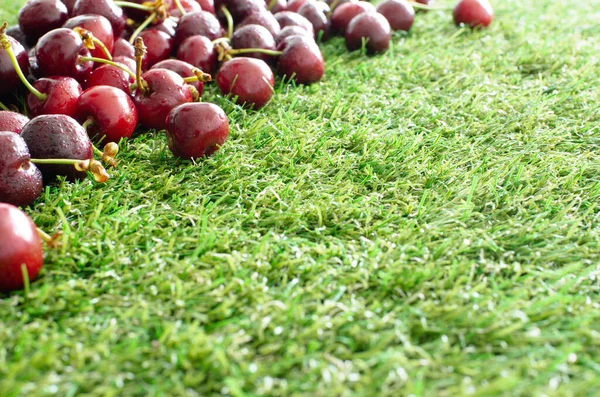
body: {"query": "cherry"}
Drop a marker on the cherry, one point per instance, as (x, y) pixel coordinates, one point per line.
(20, 180)
(207, 5)
(20, 248)
(473, 13)
(199, 51)
(301, 59)
(183, 69)
(38, 17)
(123, 48)
(254, 36)
(12, 121)
(291, 31)
(196, 130)
(316, 13)
(108, 112)
(399, 13)
(295, 5)
(101, 29)
(70, 4)
(109, 75)
(106, 8)
(16, 33)
(249, 81)
(187, 5)
(159, 46)
(333, 4)
(127, 61)
(54, 95)
(240, 9)
(58, 53)
(201, 23)
(169, 26)
(343, 14)
(288, 18)
(8, 74)
(263, 18)
(370, 26)
(57, 136)
(276, 6)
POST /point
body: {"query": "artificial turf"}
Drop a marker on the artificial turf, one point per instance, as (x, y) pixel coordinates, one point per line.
(423, 222)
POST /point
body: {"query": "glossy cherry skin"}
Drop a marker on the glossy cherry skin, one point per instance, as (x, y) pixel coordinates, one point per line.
(38, 17)
(70, 4)
(9, 78)
(166, 89)
(183, 69)
(371, 26)
(316, 13)
(199, 51)
(58, 53)
(188, 6)
(196, 130)
(291, 31)
(106, 8)
(288, 18)
(343, 14)
(201, 23)
(254, 36)
(113, 113)
(109, 75)
(100, 28)
(247, 80)
(12, 121)
(168, 26)
(123, 48)
(295, 5)
(301, 59)
(207, 5)
(159, 46)
(20, 245)
(263, 18)
(56, 136)
(399, 13)
(16, 33)
(279, 6)
(473, 13)
(20, 180)
(240, 9)
(63, 94)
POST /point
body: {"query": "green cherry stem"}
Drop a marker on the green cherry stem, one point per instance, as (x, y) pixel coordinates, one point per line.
(272, 4)
(180, 7)
(128, 4)
(142, 26)
(229, 21)
(107, 62)
(248, 50)
(3, 107)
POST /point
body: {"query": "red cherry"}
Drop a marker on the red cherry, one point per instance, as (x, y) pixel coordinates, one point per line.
(254, 36)
(250, 81)
(295, 5)
(111, 76)
(302, 59)
(370, 26)
(8, 75)
(316, 13)
(291, 31)
(58, 53)
(201, 23)
(99, 26)
(169, 26)
(111, 111)
(20, 246)
(279, 6)
(16, 33)
(165, 90)
(288, 18)
(187, 5)
(399, 13)
(38, 17)
(196, 130)
(240, 9)
(20, 180)
(70, 4)
(207, 5)
(473, 13)
(183, 69)
(343, 14)
(62, 94)
(12, 121)
(159, 46)
(199, 51)
(106, 8)
(263, 18)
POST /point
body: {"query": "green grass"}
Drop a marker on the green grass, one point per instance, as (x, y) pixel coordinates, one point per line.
(423, 222)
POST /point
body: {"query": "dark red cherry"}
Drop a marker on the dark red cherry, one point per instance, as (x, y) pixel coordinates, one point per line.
(106, 8)
(62, 96)
(473, 13)
(336, 3)
(57, 136)
(37, 17)
(159, 46)
(183, 69)
(263, 18)
(20, 180)
(207, 5)
(168, 26)
(20, 246)
(199, 52)
(399, 13)
(291, 31)
(70, 4)
(123, 48)
(196, 130)
(254, 36)
(165, 90)
(58, 53)
(343, 14)
(316, 13)
(127, 61)
(16, 33)
(249, 81)
(100, 28)
(109, 113)
(279, 6)
(111, 76)
(240, 9)
(295, 5)
(12, 121)
(201, 23)
(372, 27)
(188, 6)
(8, 76)
(301, 59)
(288, 18)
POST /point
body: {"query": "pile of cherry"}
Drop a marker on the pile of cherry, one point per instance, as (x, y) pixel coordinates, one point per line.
(93, 70)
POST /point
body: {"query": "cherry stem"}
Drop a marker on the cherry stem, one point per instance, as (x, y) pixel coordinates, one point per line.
(107, 62)
(140, 51)
(11, 55)
(332, 7)
(90, 165)
(91, 42)
(86, 124)
(100, 44)
(248, 50)
(142, 26)
(128, 4)
(272, 4)
(199, 75)
(3, 107)
(58, 161)
(426, 7)
(25, 275)
(229, 21)
(221, 40)
(48, 239)
(180, 7)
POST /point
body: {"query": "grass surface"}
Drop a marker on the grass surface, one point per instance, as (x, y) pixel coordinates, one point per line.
(424, 222)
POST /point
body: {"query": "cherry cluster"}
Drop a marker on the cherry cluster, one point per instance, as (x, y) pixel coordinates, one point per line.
(95, 70)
